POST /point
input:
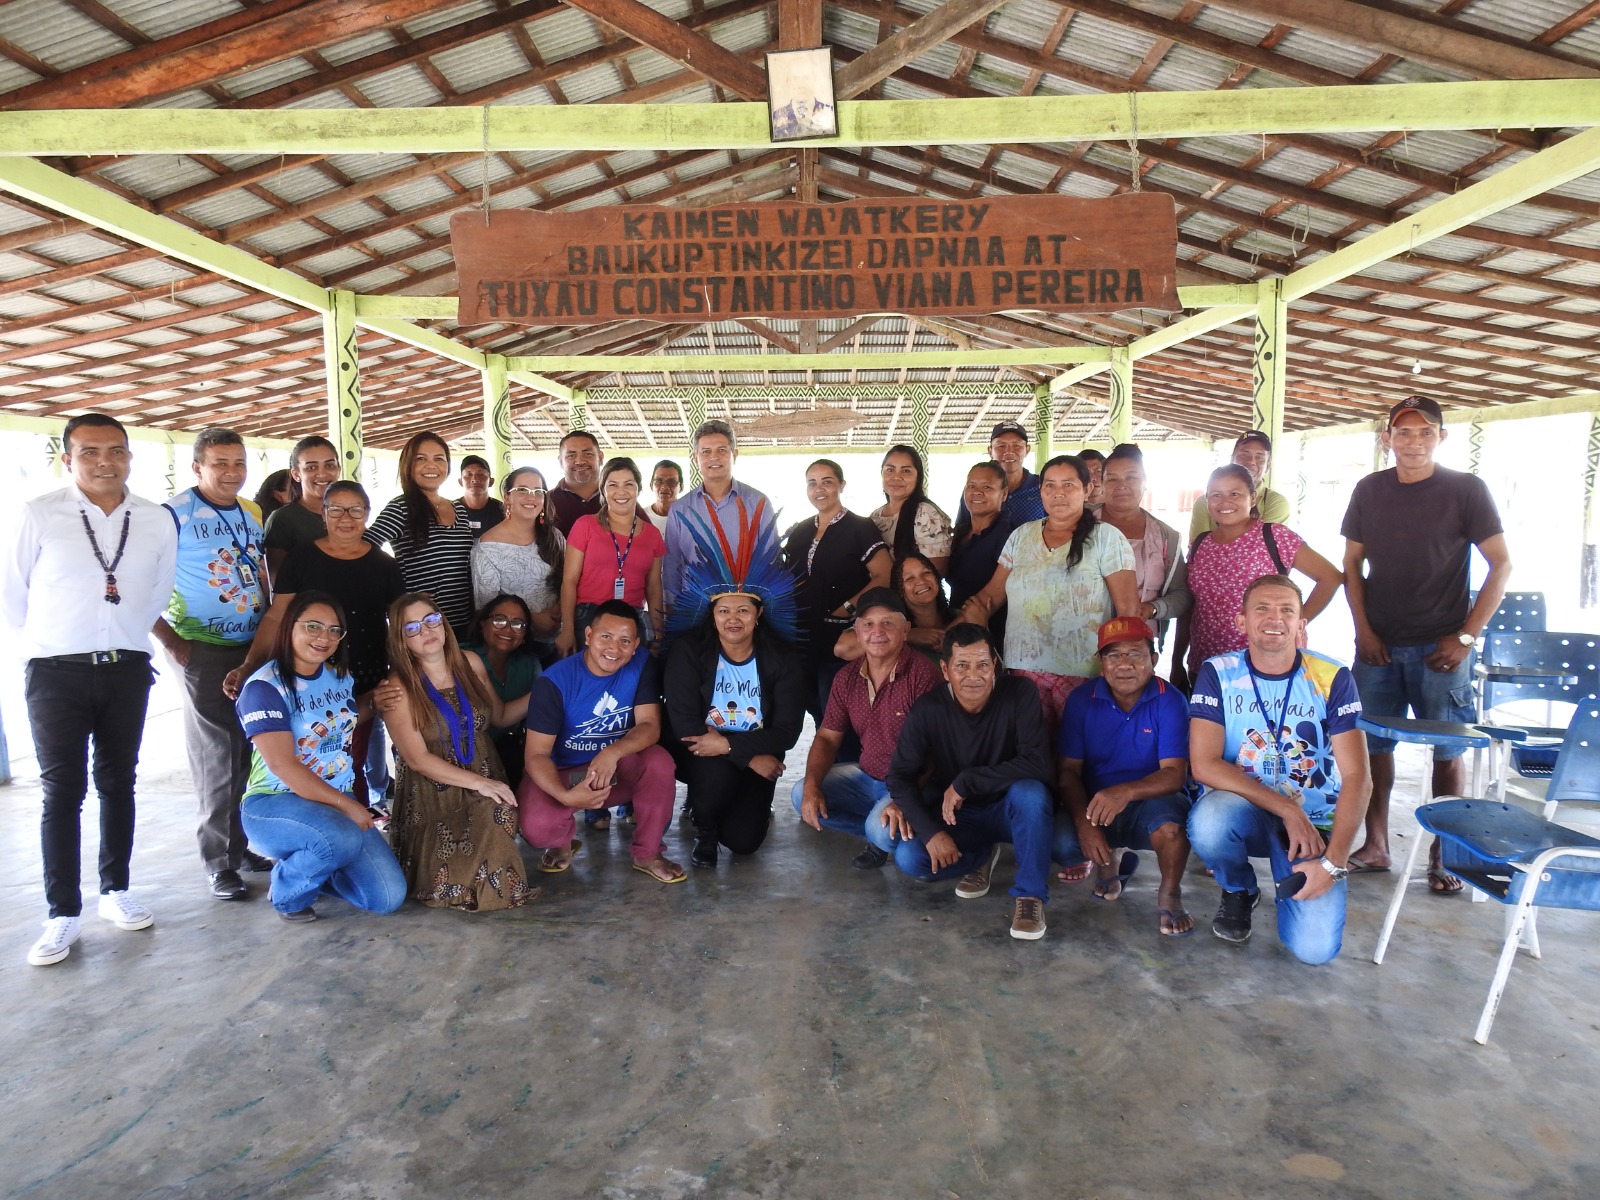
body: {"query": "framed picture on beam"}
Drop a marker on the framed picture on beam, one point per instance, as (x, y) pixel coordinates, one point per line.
(800, 95)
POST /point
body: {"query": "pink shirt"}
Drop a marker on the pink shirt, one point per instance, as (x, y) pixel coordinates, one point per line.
(1218, 577)
(601, 549)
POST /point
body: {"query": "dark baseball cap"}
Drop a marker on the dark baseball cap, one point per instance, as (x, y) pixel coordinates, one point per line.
(1012, 427)
(881, 597)
(1420, 404)
(1254, 435)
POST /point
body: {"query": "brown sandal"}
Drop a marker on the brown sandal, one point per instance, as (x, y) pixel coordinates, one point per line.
(660, 868)
(554, 861)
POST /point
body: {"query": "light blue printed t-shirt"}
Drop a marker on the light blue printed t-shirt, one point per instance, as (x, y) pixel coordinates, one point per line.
(735, 697)
(221, 589)
(1290, 747)
(320, 712)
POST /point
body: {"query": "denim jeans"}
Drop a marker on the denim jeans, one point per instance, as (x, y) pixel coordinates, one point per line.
(1024, 817)
(316, 844)
(855, 804)
(73, 707)
(1227, 831)
(1408, 683)
(1130, 829)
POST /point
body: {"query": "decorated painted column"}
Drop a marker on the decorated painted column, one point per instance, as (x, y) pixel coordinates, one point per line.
(496, 415)
(1043, 424)
(919, 431)
(1475, 447)
(1119, 418)
(694, 413)
(344, 381)
(172, 466)
(1271, 362)
(1589, 568)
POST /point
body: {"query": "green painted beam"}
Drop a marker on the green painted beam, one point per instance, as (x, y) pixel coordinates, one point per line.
(1561, 163)
(73, 197)
(625, 364)
(811, 391)
(545, 387)
(414, 308)
(1218, 295)
(1492, 104)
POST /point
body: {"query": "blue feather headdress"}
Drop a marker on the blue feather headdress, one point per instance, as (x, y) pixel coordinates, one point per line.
(756, 569)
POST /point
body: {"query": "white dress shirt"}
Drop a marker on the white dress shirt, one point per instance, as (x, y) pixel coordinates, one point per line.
(54, 588)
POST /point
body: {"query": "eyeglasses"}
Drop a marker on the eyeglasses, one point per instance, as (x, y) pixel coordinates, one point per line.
(519, 490)
(414, 628)
(1125, 656)
(501, 621)
(355, 511)
(317, 629)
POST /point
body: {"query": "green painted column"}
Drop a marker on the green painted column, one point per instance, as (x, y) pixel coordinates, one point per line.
(1043, 425)
(1589, 569)
(496, 416)
(1271, 362)
(1119, 422)
(52, 450)
(344, 381)
(1475, 447)
(694, 414)
(920, 430)
(172, 466)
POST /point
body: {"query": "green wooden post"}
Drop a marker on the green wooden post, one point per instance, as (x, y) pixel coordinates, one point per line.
(1475, 447)
(1589, 570)
(1043, 424)
(496, 416)
(1271, 362)
(1119, 421)
(694, 414)
(344, 381)
(920, 429)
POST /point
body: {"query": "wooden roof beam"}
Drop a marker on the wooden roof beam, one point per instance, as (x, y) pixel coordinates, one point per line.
(681, 44)
(917, 38)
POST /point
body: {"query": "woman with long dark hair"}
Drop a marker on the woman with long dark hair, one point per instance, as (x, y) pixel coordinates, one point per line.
(523, 555)
(1061, 579)
(834, 556)
(299, 712)
(907, 519)
(455, 820)
(920, 586)
(499, 637)
(275, 491)
(431, 537)
(1158, 561)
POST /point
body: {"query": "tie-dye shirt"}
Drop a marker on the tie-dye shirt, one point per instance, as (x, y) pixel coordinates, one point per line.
(321, 714)
(1291, 754)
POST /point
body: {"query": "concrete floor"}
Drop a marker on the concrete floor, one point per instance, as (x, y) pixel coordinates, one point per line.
(783, 1027)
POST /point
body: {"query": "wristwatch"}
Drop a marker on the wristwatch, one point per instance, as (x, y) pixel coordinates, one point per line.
(850, 607)
(1466, 639)
(1335, 870)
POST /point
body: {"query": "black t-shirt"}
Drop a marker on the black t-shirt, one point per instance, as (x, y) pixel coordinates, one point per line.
(838, 569)
(1418, 540)
(481, 520)
(293, 525)
(365, 586)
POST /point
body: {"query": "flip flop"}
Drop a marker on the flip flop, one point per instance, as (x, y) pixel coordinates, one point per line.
(1076, 874)
(1357, 867)
(1165, 915)
(1126, 866)
(658, 869)
(553, 862)
(1442, 883)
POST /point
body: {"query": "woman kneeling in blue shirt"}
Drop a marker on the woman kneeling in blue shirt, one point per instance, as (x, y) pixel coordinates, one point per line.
(299, 711)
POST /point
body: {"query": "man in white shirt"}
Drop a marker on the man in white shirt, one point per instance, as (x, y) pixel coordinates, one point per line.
(89, 571)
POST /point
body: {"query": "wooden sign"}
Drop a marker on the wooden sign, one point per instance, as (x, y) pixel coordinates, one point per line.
(919, 257)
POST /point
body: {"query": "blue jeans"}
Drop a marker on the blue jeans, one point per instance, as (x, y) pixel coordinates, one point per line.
(1129, 830)
(1227, 831)
(315, 844)
(855, 804)
(1024, 817)
(1408, 683)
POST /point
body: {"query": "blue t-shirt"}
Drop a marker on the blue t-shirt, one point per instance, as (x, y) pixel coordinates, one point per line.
(320, 712)
(1119, 747)
(1292, 755)
(221, 589)
(586, 712)
(735, 697)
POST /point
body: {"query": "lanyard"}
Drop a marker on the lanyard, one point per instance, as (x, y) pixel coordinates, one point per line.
(1276, 729)
(244, 550)
(622, 554)
(463, 733)
(112, 596)
(246, 566)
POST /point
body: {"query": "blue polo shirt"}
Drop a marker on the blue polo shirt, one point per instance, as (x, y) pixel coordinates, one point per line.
(1118, 747)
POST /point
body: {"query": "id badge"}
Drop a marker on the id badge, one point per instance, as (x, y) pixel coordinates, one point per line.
(616, 588)
(1270, 767)
(247, 573)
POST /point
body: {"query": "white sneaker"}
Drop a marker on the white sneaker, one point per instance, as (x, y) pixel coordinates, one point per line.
(56, 944)
(123, 911)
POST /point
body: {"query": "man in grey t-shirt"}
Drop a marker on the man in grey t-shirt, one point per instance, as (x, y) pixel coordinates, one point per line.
(1409, 533)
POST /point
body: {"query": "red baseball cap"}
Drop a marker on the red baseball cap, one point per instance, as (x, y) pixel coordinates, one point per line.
(1125, 629)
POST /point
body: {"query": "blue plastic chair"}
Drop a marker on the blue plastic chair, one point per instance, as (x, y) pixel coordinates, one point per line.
(1508, 854)
(1519, 612)
(1576, 653)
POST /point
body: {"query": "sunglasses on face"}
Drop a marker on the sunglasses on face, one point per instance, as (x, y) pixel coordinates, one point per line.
(501, 621)
(317, 629)
(413, 628)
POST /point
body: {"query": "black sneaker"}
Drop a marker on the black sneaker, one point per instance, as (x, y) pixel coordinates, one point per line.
(256, 864)
(226, 885)
(704, 853)
(1232, 922)
(870, 858)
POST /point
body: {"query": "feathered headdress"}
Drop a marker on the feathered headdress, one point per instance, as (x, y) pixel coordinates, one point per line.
(755, 569)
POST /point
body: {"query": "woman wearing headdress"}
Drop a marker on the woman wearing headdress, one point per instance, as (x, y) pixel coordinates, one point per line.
(734, 693)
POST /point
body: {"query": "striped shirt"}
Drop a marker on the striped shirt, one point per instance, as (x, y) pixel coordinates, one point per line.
(443, 566)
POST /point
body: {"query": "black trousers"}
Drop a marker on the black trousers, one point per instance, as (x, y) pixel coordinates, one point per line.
(73, 708)
(730, 803)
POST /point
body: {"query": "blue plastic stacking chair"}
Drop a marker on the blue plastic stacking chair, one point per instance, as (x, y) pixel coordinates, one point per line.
(1524, 861)
(1519, 612)
(1576, 653)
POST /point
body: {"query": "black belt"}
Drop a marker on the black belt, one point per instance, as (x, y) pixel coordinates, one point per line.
(100, 658)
